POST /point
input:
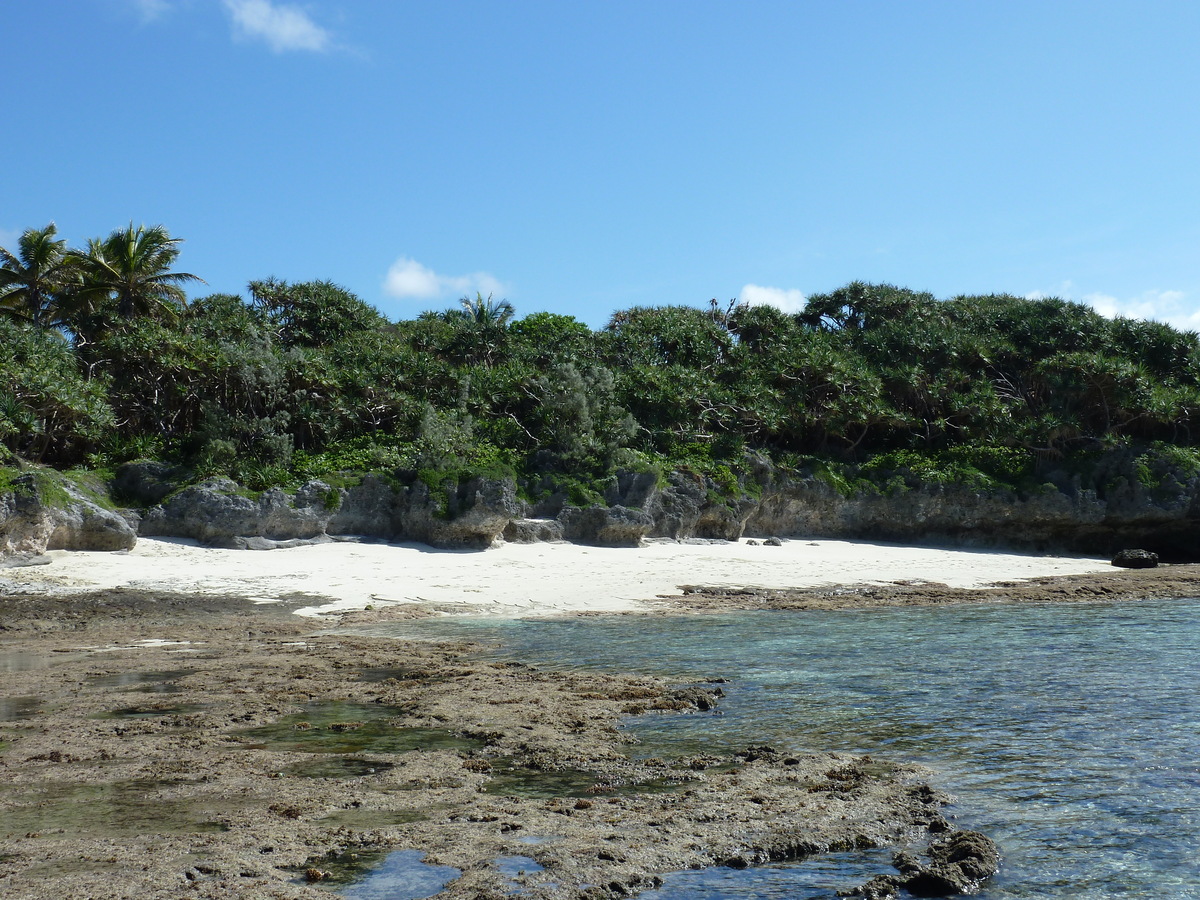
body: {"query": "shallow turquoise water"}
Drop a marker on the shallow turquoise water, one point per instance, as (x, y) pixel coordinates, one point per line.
(1069, 733)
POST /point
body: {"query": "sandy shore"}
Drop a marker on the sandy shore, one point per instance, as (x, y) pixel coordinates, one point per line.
(520, 579)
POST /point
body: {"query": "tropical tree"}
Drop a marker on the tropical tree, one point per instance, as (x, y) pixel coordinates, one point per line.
(480, 329)
(49, 412)
(313, 313)
(128, 275)
(34, 278)
(489, 312)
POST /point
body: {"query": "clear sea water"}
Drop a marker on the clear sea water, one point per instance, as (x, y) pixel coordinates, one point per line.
(1069, 733)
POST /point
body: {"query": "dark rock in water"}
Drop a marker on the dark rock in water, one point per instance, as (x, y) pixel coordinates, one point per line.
(976, 855)
(702, 699)
(957, 865)
(773, 542)
(1135, 559)
(752, 543)
(881, 887)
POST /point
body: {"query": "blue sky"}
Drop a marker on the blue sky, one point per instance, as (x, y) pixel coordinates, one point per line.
(583, 157)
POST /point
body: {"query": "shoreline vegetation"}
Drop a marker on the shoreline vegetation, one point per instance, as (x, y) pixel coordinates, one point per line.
(984, 420)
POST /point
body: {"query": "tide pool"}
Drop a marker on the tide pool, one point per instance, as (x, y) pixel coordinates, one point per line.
(1069, 733)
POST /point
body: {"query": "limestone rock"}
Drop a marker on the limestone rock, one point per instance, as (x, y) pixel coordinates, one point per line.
(613, 526)
(145, 483)
(31, 525)
(473, 516)
(533, 531)
(213, 512)
(218, 513)
(25, 522)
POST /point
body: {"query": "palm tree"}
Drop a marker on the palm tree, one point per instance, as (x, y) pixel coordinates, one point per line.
(488, 313)
(482, 328)
(33, 280)
(132, 268)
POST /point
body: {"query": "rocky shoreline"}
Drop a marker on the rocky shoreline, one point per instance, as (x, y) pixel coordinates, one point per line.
(1123, 585)
(158, 745)
(44, 510)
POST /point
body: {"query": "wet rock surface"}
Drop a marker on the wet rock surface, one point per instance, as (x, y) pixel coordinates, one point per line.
(1129, 584)
(956, 864)
(189, 798)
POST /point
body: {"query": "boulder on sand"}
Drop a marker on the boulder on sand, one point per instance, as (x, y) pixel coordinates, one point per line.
(1135, 559)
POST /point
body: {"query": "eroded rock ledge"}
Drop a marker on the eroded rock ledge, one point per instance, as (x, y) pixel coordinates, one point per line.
(44, 511)
(1062, 515)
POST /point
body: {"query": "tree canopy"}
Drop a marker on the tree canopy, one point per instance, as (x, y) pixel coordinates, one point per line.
(108, 360)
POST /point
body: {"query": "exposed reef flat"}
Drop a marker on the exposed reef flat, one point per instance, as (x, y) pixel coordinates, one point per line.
(1126, 584)
(167, 745)
(163, 744)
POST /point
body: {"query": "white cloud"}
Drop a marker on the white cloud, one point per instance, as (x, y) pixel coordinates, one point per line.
(1065, 290)
(790, 301)
(407, 279)
(1169, 307)
(1161, 306)
(283, 26)
(150, 10)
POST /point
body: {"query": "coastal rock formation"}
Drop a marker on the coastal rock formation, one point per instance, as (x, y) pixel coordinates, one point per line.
(533, 531)
(612, 526)
(1135, 559)
(43, 511)
(957, 864)
(219, 513)
(1110, 511)
(473, 517)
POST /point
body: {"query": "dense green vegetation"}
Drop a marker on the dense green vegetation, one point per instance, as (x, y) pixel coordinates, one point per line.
(105, 360)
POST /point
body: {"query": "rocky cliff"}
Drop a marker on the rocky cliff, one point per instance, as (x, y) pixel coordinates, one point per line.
(42, 510)
(218, 512)
(1062, 515)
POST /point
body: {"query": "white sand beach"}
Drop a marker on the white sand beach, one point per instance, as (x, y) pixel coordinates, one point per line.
(519, 580)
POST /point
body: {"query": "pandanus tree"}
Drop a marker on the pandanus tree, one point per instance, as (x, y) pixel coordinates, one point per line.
(34, 280)
(128, 275)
